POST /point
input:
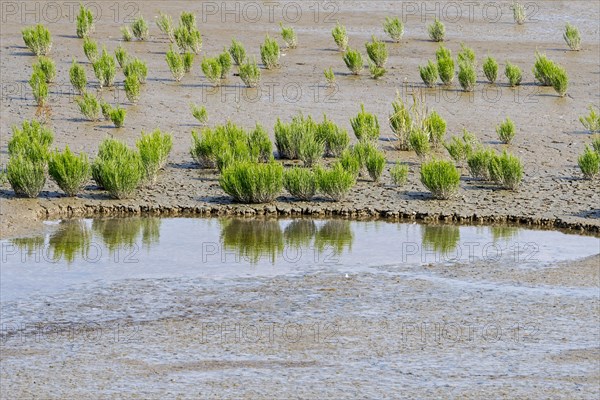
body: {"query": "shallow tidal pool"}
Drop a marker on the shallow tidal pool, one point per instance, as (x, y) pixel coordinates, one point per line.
(96, 250)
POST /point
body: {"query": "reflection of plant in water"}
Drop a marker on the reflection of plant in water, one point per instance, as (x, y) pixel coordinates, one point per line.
(31, 245)
(252, 239)
(71, 238)
(503, 232)
(441, 238)
(299, 233)
(335, 234)
(124, 232)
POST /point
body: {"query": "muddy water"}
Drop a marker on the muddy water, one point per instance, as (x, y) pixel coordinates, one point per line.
(84, 251)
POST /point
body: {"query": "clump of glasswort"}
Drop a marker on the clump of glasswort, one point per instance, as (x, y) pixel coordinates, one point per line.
(154, 151)
(437, 31)
(90, 49)
(572, 37)
(418, 140)
(200, 113)
(211, 67)
(26, 177)
(187, 36)
(336, 139)
(136, 67)
(441, 178)
(39, 88)
(78, 77)
(70, 172)
(377, 52)
(121, 56)
(237, 52)
(132, 88)
(365, 125)
(460, 148)
(126, 33)
(225, 60)
(479, 161)
(354, 61)
(249, 182)
(300, 183)
(506, 131)
(518, 13)
(105, 69)
(394, 28)
(89, 106)
(164, 23)
(513, 73)
(46, 67)
(340, 36)
(490, 69)
(270, 53)
(335, 182)
(118, 169)
(140, 29)
(250, 73)
(175, 63)
(289, 36)
(117, 116)
(589, 162)
(429, 73)
(399, 174)
(467, 77)
(289, 138)
(445, 65)
(506, 170)
(37, 39)
(329, 77)
(85, 22)
(591, 122)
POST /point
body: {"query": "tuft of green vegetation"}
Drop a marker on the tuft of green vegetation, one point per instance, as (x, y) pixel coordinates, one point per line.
(340, 36)
(591, 122)
(289, 137)
(39, 87)
(394, 28)
(78, 77)
(572, 37)
(329, 77)
(377, 51)
(596, 143)
(466, 55)
(461, 148)
(46, 67)
(506, 131)
(200, 113)
(237, 52)
(121, 56)
(70, 172)
(441, 178)
(513, 73)
(249, 182)
(32, 140)
(226, 63)
(117, 168)
(154, 149)
(478, 163)
(37, 39)
(429, 73)
(27, 177)
(445, 65)
(187, 36)
(490, 69)
(376, 72)
(506, 170)
(354, 61)
(164, 23)
(418, 140)
(188, 61)
(211, 67)
(399, 174)
(136, 67)
(365, 125)
(269, 53)
(90, 49)
(335, 182)
(518, 12)
(467, 76)
(106, 109)
(289, 36)
(437, 31)
(435, 125)
(300, 183)
(89, 106)
(336, 139)
(175, 63)
(401, 123)
(560, 81)
(250, 73)
(311, 149)
(117, 116)
(132, 88)
(85, 22)
(140, 29)
(375, 163)
(126, 34)
(349, 160)
(543, 69)
(105, 69)
(362, 151)
(589, 163)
